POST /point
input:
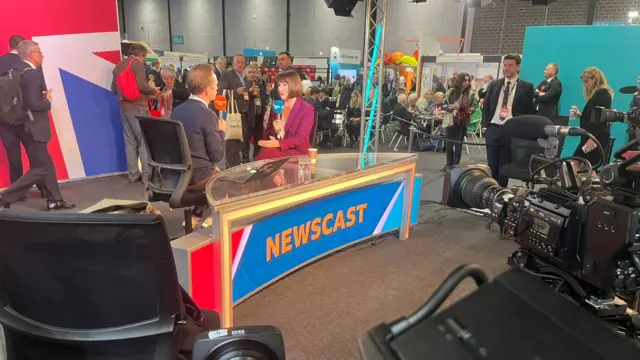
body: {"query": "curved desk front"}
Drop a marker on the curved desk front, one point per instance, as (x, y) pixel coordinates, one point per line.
(268, 228)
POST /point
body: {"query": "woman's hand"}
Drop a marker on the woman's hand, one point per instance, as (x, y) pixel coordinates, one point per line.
(590, 145)
(355, 119)
(278, 125)
(271, 143)
(454, 106)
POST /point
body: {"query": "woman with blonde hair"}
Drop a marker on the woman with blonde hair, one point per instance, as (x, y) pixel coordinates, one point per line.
(354, 116)
(597, 93)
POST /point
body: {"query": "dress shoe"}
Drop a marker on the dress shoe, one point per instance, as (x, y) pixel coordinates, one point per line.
(4, 204)
(59, 205)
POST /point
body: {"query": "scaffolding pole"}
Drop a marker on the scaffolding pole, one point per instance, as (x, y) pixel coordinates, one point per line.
(373, 75)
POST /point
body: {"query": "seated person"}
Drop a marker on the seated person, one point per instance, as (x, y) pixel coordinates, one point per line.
(288, 135)
(205, 132)
(354, 118)
(426, 100)
(324, 109)
(437, 107)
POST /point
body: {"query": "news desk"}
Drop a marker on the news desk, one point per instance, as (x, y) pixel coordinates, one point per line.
(266, 229)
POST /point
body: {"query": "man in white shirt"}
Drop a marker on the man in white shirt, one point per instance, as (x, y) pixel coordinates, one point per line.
(547, 94)
(507, 97)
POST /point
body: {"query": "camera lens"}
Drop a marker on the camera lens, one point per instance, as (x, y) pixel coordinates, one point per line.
(478, 189)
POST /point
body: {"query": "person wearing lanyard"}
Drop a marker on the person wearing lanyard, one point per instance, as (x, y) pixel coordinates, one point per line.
(506, 97)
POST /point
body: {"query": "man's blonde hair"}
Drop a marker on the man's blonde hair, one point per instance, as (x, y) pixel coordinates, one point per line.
(200, 78)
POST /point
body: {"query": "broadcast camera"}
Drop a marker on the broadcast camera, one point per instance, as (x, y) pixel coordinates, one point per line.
(587, 249)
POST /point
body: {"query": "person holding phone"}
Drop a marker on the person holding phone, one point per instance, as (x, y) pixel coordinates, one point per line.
(288, 134)
(597, 93)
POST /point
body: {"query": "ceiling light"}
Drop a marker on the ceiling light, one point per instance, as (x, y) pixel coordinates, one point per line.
(633, 14)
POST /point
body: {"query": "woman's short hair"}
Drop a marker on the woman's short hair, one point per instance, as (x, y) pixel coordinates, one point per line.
(168, 71)
(293, 81)
(200, 78)
(413, 98)
(438, 94)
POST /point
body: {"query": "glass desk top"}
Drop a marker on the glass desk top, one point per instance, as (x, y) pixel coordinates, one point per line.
(296, 171)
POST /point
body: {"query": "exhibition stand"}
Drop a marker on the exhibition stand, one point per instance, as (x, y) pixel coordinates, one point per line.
(268, 228)
(575, 48)
(477, 65)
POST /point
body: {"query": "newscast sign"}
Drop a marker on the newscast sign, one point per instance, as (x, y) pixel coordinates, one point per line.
(346, 56)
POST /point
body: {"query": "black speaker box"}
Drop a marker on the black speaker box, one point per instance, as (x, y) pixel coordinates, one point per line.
(342, 7)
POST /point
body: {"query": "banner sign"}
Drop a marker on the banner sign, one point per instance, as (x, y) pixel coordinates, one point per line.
(346, 56)
(275, 246)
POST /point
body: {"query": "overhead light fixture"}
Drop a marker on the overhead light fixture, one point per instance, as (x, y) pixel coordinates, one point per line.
(320, 53)
(633, 14)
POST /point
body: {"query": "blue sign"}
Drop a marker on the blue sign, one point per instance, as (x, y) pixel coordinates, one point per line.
(277, 245)
(177, 39)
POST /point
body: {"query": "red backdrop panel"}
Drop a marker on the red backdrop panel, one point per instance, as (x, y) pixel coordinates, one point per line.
(46, 17)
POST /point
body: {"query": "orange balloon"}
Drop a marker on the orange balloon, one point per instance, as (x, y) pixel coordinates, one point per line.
(415, 54)
(396, 56)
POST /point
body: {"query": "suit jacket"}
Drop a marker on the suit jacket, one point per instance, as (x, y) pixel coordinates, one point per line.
(522, 100)
(297, 129)
(547, 104)
(205, 139)
(253, 111)
(218, 73)
(231, 82)
(9, 61)
(32, 85)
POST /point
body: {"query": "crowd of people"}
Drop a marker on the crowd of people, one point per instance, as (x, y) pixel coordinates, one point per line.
(187, 96)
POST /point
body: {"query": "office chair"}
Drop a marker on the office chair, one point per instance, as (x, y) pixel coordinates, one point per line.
(521, 152)
(87, 286)
(170, 167)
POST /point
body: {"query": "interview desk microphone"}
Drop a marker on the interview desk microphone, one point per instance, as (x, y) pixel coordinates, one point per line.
(278, 107)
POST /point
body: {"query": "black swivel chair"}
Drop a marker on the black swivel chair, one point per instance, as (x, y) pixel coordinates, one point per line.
(87, 286)
(521, 152)
(170, 167)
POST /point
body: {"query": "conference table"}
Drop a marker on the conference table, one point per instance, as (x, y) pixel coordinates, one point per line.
(270, 226)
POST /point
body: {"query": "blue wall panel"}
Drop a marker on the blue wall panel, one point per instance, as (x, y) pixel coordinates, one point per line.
(574, 48)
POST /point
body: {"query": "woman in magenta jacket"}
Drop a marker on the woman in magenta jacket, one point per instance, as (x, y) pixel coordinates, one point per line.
(289, 135)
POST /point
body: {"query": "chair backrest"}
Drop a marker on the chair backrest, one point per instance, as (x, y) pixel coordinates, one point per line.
(521, 151)
(86, 286)
(476, 119)
(169, 159)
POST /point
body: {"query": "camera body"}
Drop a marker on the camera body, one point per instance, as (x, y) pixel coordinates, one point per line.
(591, 247)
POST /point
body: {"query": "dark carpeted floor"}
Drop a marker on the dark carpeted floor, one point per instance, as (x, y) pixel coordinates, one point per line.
(324, 308)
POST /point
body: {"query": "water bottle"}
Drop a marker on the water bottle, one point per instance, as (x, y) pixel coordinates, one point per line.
(572, 113)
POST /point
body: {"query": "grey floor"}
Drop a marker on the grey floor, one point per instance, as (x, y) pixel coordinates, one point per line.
(323, 309)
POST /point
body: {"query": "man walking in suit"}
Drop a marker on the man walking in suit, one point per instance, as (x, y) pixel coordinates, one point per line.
(235, 82)
(130, 108)
(8, 134)
(506, 97)
(547, 94)
(220, 67)
(35, 133)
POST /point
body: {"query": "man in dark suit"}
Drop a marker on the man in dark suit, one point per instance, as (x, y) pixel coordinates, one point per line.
(220, 67)
(547, 94)
(257, 107)
(35, 133)
(8, 134)
(235, 82)
(204, 130)
(507, 97)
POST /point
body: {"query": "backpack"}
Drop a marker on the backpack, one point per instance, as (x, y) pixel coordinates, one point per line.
(128, 84)
(11, 110)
